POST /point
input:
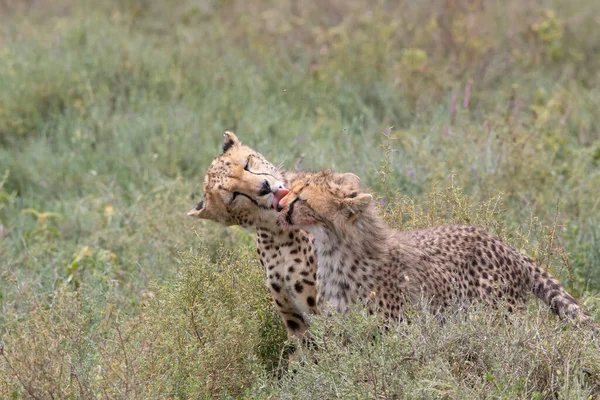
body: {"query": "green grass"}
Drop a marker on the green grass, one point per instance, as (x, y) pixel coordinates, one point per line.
(110, 112)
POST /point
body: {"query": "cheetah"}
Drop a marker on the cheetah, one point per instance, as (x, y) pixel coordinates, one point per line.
(239, 189)
(361, 258)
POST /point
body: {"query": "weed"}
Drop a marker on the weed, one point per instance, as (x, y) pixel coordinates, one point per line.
(111, 111)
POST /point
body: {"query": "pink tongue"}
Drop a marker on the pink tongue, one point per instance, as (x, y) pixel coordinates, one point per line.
(278, 195)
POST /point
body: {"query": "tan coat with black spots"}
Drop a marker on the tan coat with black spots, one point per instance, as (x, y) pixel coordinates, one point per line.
(360, 257)
(239, 189)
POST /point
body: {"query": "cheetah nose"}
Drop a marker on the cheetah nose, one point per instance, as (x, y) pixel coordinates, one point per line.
(265, 189)
(277, 196)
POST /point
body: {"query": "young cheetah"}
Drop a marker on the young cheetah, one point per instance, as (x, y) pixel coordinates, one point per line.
(360, 257)
(239, 189)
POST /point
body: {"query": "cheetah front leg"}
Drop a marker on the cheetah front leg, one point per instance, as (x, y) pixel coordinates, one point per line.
(295, 323)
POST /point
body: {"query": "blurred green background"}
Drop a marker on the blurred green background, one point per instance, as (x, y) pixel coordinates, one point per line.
(111, 111)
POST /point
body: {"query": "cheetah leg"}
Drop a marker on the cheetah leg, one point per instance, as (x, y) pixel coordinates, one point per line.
(295, 323)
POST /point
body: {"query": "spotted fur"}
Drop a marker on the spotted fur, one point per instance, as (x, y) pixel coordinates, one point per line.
(238, 190)
(360, 257)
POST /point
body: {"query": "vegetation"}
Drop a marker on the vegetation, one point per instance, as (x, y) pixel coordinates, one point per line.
(458, 111)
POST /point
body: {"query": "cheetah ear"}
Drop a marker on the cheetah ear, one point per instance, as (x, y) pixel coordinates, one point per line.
(349, 178)
(197, 211)
(200, 211)
(229, 140)
(355, 202)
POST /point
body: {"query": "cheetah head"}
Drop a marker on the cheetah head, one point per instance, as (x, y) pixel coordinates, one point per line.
(318, 199)
(239, 187)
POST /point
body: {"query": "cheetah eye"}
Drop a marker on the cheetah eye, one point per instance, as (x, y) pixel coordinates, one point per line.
(247, 167)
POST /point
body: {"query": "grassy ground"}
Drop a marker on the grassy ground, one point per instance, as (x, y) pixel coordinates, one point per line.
(111, 111)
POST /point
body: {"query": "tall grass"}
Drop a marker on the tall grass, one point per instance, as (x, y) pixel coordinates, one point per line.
(111, 111)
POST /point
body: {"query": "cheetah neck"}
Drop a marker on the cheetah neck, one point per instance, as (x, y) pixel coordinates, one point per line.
(366, 235)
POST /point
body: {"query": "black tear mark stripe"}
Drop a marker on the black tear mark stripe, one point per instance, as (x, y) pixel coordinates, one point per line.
(315, 214)
(288, 216)
(200, 205)
(236, 194)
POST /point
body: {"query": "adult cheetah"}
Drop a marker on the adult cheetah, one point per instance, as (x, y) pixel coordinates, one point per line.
(360, 257)
(238, 190)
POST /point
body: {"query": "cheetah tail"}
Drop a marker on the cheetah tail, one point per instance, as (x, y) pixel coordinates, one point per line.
(549, 289)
